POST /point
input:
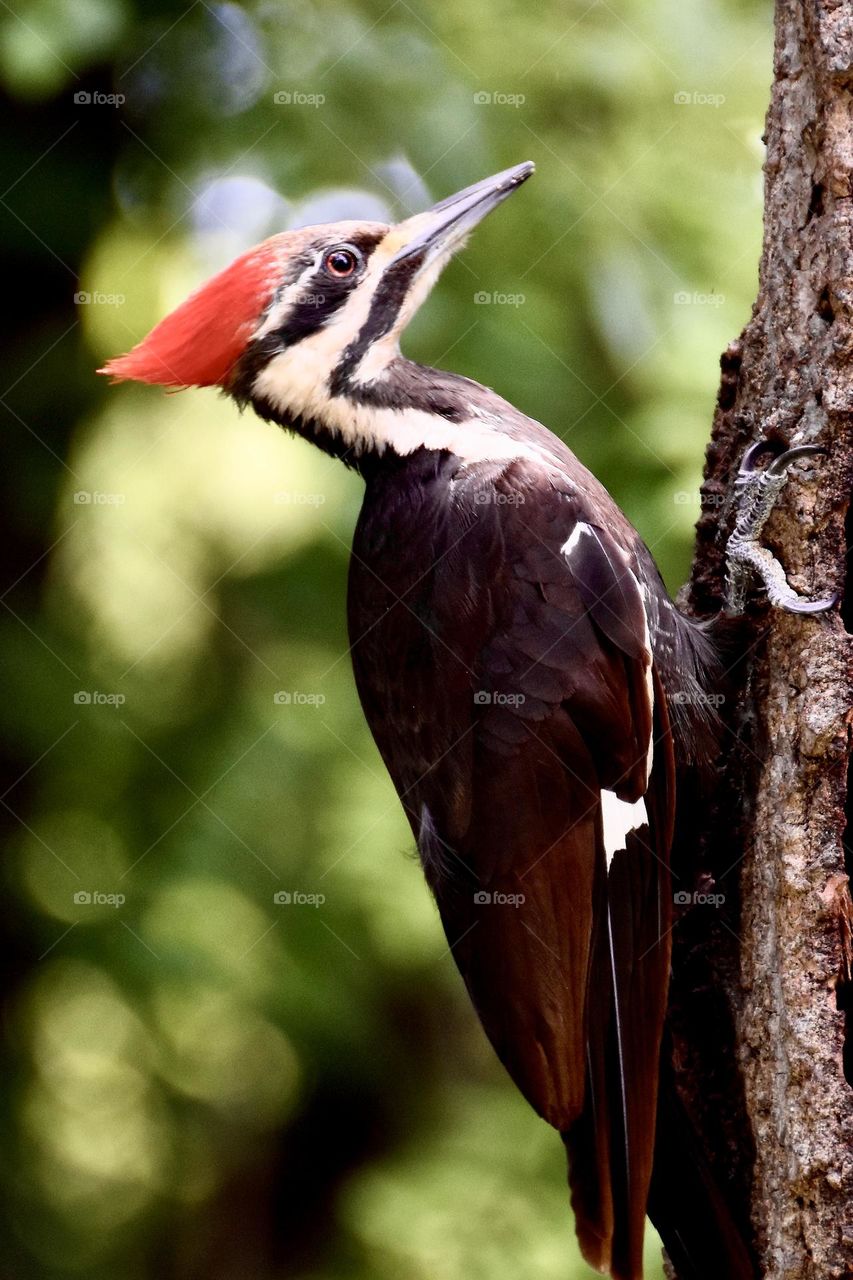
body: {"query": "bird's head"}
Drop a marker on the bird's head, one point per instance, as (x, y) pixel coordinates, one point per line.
(306, 325)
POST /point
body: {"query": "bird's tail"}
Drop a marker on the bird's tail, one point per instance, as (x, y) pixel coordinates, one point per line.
(611, 1144)
(686, 1203)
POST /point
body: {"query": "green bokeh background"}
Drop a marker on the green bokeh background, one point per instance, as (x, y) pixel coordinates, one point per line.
(202, 1081)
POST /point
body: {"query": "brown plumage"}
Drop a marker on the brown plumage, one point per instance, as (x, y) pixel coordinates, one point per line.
(502, 709)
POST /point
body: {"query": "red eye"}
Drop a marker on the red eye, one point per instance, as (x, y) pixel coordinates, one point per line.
(341, 262)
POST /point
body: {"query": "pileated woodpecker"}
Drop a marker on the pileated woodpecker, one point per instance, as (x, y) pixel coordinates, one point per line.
(529, 683)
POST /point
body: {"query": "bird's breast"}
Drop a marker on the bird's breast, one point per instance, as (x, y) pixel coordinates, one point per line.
(418, 616)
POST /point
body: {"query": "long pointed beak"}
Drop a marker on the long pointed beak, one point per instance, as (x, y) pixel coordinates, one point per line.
(440, 228)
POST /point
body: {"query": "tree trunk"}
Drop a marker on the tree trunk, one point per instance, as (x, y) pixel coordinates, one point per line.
(762, 981)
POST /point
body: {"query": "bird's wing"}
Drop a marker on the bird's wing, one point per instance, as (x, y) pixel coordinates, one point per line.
(544, 819)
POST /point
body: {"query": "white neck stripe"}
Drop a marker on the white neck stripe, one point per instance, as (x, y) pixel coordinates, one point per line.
(295, 385)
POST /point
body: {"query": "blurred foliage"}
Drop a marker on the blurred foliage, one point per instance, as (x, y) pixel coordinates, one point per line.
(203, 1080)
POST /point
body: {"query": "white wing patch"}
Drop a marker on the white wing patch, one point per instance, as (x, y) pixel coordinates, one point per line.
(582, 529)
(619, 818)
(574, 537)
(650, 682)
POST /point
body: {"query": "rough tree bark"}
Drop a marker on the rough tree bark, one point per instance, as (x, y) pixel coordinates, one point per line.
(762, 983)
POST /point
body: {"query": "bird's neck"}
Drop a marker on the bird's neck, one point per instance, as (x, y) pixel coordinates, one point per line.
(406, 408)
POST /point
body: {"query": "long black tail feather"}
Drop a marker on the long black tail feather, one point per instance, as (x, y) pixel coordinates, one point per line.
(686, 1203)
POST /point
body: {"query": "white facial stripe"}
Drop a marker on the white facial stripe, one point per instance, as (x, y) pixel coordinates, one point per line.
(619, 818)
(374, 363)
(296, 384)
(288, 299)
(296, 381)
(347, 323)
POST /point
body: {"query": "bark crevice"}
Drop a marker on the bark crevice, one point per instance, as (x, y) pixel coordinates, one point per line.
(767, 1086)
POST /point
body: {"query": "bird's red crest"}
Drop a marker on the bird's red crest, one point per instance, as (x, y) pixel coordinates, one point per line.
(198, 344)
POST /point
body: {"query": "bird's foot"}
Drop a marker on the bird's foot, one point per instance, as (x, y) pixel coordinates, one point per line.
(759, 489)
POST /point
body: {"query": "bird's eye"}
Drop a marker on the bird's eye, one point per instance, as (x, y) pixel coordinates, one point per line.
(342, 261)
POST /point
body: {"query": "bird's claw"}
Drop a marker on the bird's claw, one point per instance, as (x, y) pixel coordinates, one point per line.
(788, 457)
(802, 605)
(746, 558)
(784, 458)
